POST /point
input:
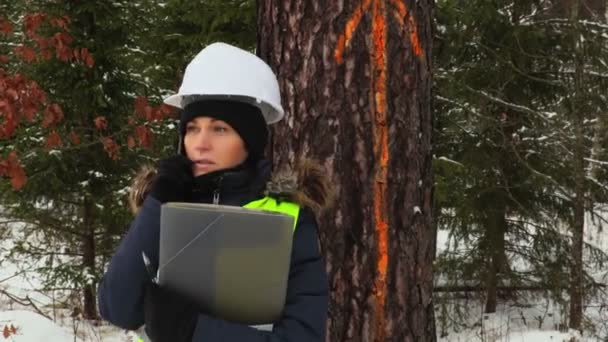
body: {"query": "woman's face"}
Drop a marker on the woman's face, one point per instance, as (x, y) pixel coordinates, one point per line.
(213, 145)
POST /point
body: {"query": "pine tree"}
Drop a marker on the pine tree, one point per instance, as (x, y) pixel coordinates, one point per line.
(76, 170)
(74, 162)
(508, 133)
(583, 109)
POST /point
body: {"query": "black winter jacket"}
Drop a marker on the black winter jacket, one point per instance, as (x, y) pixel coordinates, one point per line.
(121, 290)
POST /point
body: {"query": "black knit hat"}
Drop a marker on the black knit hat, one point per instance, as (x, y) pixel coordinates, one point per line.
(246, 119)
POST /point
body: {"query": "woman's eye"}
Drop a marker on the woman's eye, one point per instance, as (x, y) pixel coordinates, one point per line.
(220, 129)
(190, 128)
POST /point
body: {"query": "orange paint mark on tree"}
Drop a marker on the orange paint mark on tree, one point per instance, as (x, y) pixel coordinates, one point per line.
(401, 14)
(384, 156)
(382, 256)
(379, 65)
(351, 27)
(379, 56)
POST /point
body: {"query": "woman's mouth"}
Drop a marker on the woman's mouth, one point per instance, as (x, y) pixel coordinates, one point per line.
(203, 163)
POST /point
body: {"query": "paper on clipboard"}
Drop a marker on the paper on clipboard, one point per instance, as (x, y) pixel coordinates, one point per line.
(232, 261)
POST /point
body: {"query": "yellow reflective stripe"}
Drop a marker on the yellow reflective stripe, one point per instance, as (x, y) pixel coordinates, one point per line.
(270, 204)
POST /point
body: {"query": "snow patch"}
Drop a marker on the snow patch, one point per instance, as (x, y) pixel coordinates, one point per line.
(32, 327)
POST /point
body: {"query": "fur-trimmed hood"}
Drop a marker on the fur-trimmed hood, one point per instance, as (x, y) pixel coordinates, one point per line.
(306, 185)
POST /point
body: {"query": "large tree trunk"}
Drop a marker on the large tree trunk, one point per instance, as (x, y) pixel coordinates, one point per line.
(356, 84)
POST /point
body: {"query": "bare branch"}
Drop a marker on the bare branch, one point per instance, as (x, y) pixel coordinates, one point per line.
(27, 301)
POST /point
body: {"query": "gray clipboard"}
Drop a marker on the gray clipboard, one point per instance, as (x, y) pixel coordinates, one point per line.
(231, 261)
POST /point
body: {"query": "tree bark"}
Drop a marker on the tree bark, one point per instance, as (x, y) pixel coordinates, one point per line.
(356, 84)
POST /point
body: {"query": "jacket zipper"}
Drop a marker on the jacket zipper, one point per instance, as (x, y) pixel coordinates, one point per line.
(216, 192)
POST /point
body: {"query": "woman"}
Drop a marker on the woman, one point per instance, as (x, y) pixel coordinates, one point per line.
(228, 97)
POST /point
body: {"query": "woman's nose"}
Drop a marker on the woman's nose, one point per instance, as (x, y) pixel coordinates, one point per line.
(203, 141)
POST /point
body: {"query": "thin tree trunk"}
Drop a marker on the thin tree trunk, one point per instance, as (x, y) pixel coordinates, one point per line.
(581, 10)
(576, 271)
(88, 260)
(355, 79)
(88, 238)
(578, 224)
(496, 230)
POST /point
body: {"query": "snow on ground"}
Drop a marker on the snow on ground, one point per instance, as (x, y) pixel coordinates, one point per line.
(32, 327)
(532, 317)
(518, 336)
(21, 305)
(535, 319)
(460, 317)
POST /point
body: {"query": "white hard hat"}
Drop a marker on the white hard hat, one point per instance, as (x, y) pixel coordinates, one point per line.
(222, 71)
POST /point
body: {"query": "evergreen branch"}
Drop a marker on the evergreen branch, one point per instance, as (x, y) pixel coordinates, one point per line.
(9, 45)
(57, 226)
(11, 221)
(517, 70)
(519, 108)
(507, 189)
(519, 230)
(481, 288)
(598, 183)
(568, 22)
(91, 143)
(598, 215)
(596, 161)
(522, 252)
(584, 72)
(470, 110)
(52, 253)
(533, 224)
(460, 105)
(545, 115)
(65, 201)
(550, 58)
(59, 289)
(542, 175)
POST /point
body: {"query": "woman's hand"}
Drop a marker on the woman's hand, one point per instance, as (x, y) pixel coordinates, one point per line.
(174, 179)
(169, 317)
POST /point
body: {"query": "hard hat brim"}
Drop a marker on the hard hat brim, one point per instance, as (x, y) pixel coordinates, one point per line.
(272, 112)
